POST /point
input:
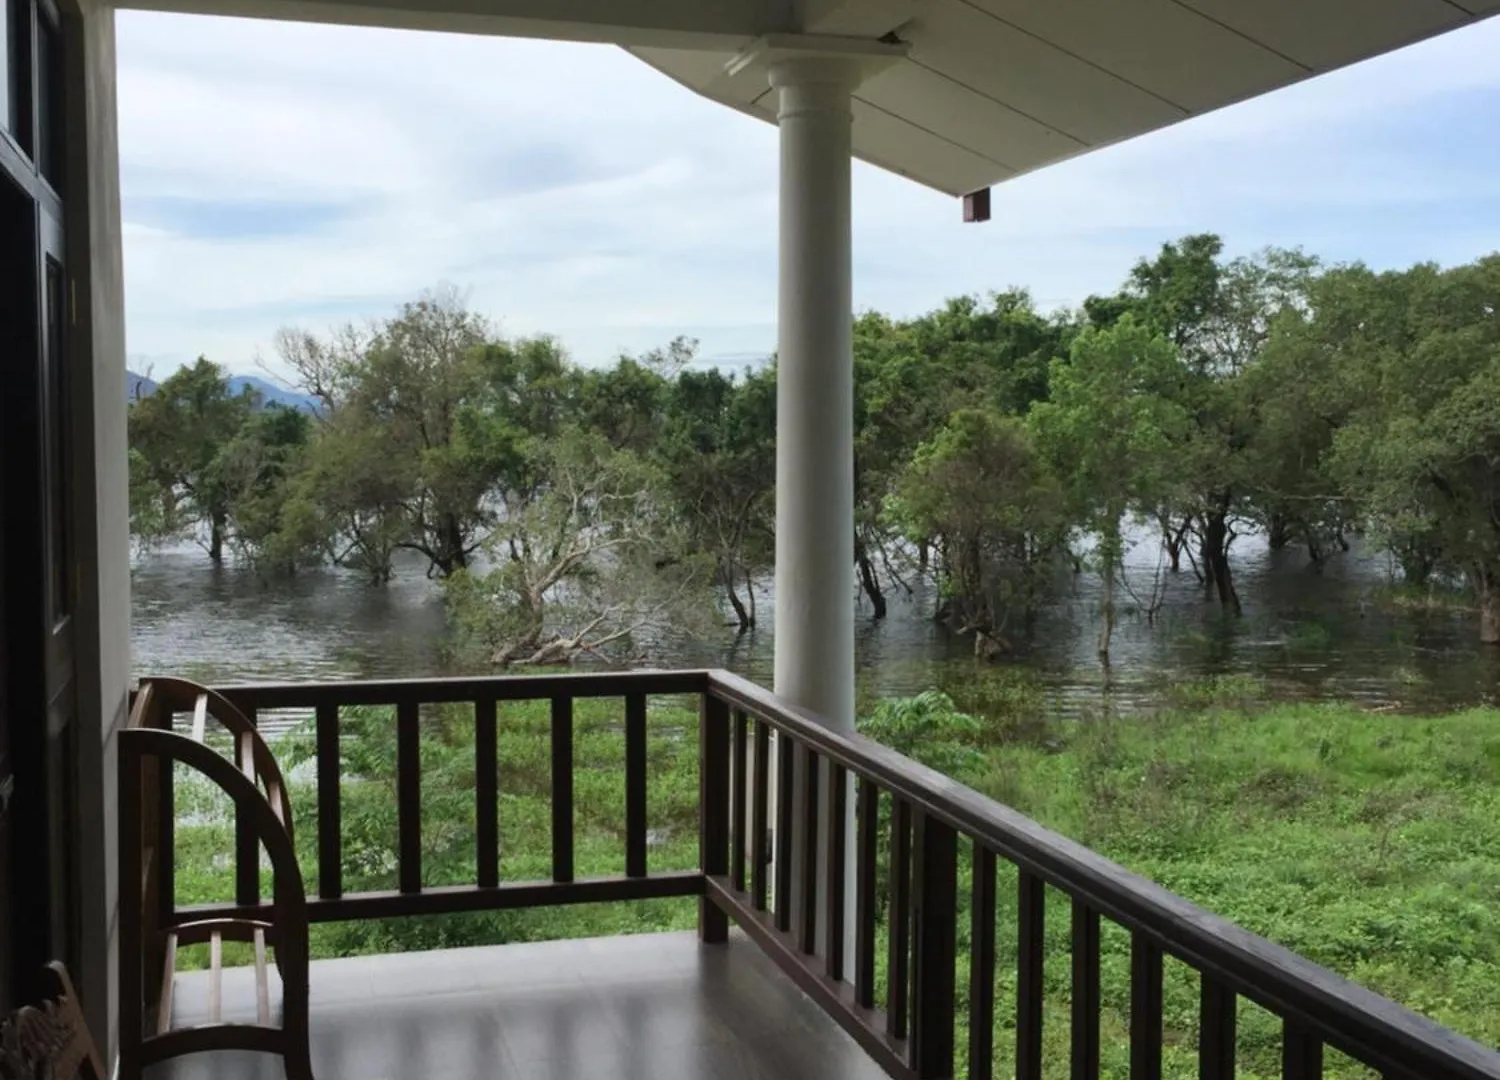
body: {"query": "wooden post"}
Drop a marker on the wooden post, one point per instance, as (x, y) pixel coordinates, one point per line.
(713, 811)
(934, 914)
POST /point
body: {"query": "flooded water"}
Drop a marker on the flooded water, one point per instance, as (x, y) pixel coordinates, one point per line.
(1309, 633)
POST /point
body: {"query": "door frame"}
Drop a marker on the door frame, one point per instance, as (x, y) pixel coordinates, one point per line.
(38, 487)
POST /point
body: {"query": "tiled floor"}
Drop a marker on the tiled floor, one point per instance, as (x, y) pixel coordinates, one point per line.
(651, 1007)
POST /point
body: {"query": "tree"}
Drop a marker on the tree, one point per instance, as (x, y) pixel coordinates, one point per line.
(178, 434)
(255, 470)
(981, 491)
(1420, 452)
(1219, 315)
(717, 455)
(910, 376)
(583, 564)
(1109, 431)
(422, 416)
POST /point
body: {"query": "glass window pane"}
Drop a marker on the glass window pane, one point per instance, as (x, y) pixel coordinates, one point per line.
(59, 538)
(49, 101)
(16, 76)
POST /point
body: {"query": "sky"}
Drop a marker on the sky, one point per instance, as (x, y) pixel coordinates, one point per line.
(279, 174)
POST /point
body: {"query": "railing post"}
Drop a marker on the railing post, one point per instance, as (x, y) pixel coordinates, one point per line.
(409, 796)
(562, 789)
(635, 786)
(713, 811)
(936, 860)
(330, 829)
(486, 795)
(246, 851)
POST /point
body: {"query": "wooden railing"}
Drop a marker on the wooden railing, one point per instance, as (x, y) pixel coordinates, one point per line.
(929, 813)
(778, 856)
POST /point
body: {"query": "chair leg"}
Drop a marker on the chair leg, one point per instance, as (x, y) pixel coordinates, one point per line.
(298, 1061)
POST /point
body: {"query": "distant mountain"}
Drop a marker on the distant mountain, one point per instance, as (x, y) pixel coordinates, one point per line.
(138, 386)
(271, 394)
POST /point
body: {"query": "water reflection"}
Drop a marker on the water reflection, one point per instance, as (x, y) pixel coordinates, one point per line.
(1310, 632)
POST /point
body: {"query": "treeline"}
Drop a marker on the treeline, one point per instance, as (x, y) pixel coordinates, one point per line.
(571, 509)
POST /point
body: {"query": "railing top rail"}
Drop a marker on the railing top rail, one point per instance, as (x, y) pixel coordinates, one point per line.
(1346, 1015)
(278, 695)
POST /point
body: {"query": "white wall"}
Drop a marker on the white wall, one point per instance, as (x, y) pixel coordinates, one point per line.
(101, 487)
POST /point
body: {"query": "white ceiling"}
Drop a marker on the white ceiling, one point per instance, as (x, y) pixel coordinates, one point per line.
(988, 89)
(994, 88)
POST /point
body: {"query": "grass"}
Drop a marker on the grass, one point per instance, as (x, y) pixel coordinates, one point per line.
(1369, 843)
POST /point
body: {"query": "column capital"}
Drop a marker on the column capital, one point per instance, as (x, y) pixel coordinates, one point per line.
(816, 59)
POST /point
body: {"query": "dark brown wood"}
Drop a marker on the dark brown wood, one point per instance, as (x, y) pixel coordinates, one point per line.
(835, 901)
(449, 899)
(1145, 1008)
(1216, 1035)
(409, 796)
(977, 206)
(865, 1025)
(246, 850)
(898, 936)
(635, 785)
(759, 796)
(713, 810)
(270, 823)
(808, 875)
(786, 765)
(330, 828)
(608, 684)
(164, 854)
(1390, 1038)
(982, 966)
(1301, 1053)
(486, 794)
(866, 875)
(209, 1037)
(739, 812)
(1031, 918)
(562, 789)
(935, 863)
(1086, 1000)
(132, 991)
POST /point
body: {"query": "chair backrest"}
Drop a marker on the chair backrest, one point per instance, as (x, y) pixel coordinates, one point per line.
(49, 1041)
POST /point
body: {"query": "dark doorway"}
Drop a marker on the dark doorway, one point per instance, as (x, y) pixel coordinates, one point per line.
(38, 698)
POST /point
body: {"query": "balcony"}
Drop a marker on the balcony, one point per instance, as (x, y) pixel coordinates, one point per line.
(917, 962)
(642, 1007)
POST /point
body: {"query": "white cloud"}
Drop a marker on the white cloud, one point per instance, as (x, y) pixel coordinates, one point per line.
(573, 190)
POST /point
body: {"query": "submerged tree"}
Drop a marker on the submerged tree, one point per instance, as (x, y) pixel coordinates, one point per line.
(178, 434)
(584, 564)
(1109, 432)
(982, 492)
(1421, 450)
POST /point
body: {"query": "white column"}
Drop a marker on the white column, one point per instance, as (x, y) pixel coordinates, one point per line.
(815, 391)
(815, 414)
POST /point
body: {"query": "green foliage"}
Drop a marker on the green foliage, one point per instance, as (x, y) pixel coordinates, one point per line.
(1209, 394)
(980, 490)
(930, 729)
(179, 436)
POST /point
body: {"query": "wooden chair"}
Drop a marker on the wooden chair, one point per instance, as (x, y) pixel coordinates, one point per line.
(49, 1041)
(151, 929)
